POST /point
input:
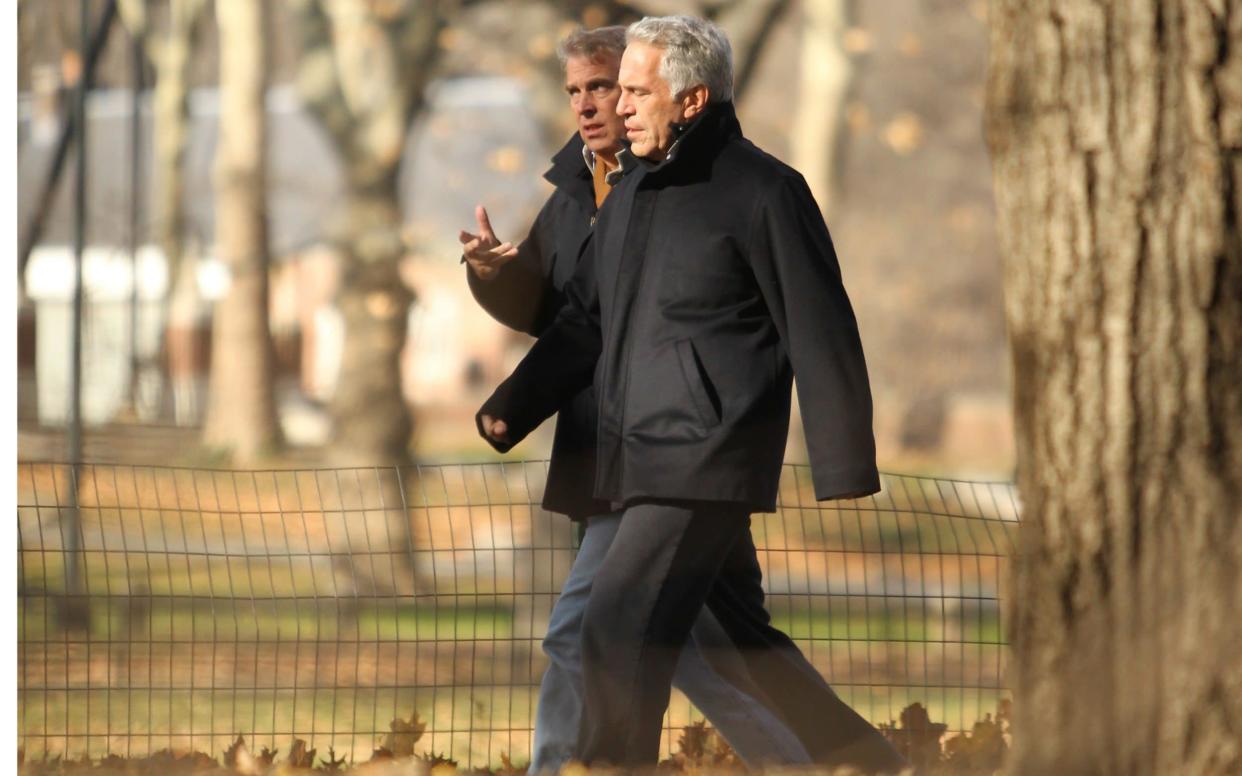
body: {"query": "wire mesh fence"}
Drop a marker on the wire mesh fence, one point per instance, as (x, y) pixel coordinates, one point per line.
(169, 607)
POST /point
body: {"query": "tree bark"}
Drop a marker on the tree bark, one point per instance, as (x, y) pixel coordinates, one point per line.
(362, 73)
(1116, 134)
(241, 414)
(372, 422)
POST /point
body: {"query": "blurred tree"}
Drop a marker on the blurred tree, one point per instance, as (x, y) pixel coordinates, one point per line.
(1116, 134)
(171, 51)
(171, 47)
(241, 413)
(363, 70)
(824, 75)
(749, 25)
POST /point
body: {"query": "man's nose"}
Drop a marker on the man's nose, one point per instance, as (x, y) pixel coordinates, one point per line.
(584, 105)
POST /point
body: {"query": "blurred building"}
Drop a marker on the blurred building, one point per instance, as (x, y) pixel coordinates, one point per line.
(461, 153)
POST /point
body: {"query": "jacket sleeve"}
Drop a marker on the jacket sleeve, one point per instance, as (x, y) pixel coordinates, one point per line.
(557, 368)
(797, 270)
(521, 294)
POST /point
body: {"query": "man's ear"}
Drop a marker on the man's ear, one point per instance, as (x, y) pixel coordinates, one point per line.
(694, 101)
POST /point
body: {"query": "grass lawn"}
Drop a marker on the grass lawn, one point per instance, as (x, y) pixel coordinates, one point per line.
(228, 620)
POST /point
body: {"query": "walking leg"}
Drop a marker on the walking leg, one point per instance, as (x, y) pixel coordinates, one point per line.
(832, 732)
(645, 598)
(559, 710)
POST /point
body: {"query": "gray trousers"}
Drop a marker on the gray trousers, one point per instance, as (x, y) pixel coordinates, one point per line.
(757, 735)
(665, 563)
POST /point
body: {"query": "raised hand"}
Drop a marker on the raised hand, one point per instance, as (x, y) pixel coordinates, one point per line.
(484, 253)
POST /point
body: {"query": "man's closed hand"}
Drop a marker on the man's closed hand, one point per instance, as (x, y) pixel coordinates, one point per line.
(495, 428)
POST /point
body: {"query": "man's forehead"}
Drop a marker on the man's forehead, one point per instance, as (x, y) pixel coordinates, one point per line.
(600, 64)
(640, 55)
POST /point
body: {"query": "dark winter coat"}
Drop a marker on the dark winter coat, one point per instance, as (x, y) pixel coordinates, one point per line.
(526, 294)
(711, 281)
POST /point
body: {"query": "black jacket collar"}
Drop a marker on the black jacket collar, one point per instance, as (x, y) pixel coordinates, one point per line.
(570, 175)
(701, 140)
(567, 163)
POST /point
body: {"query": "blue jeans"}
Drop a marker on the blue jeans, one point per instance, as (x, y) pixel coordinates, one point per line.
(757, 735)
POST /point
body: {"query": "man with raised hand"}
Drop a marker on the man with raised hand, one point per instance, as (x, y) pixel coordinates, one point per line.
(711, 281)
(521, 286)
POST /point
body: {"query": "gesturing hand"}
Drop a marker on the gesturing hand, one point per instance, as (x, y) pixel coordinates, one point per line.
(484, 253)
(495, 428)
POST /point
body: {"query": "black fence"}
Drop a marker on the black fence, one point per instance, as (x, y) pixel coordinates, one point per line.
(167, 607)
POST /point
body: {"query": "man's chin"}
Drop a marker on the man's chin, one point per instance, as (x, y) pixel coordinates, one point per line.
(602, 146)
(642, 149)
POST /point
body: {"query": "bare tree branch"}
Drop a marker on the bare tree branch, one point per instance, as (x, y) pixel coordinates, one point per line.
(749, 26)
(419, 40)
(318, 80)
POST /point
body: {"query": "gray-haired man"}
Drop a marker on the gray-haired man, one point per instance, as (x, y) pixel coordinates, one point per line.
(521, 287)
(711, 281)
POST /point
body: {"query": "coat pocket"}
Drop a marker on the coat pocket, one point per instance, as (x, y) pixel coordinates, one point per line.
(706, 403)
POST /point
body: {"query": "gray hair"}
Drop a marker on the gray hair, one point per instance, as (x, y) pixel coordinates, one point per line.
(695, 52)
(596, 44)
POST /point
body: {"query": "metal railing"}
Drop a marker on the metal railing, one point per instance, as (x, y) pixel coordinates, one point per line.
(168, 607)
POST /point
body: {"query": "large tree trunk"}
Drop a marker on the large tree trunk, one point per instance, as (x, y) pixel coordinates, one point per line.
(241, 414)
(1116, 133)
(362, 74)
(363, 70)
(372, 422)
